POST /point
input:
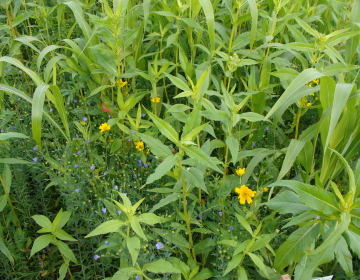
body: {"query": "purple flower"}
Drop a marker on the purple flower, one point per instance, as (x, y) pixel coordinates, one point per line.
(125, 194)
(219, 106)
(140, 164)
(197, 223)
(9, 69)
(128, 140)
(145, 165)
(132, 131)
(112, 104)
(78, 152)
(220, 214)
(89, 102)
(88, 141)
(245, 149)
(20, 71)
(139, 161)
(53, 31)
(220, 121)
(96, 257)
(85, 119)
(51, 110)
(200, 216)
(107, 242)
(159, 245)
(77, 190)
(253, 144)
(2, 130)
(83, 86)
(18, 99)
(137, 277)
(75, 100)
(13, 128)
(92, 167)
(103, 210)
(199, 134)
(119, 212)
(231, 227)
(34, 149)
(109, 117)
(115, 187)
(76, 165)
(271, 117)
(35, 159)
(143, 115)
(267, 129)
(135, 175)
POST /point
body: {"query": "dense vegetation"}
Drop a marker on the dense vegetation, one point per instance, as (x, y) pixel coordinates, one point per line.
(179, 139)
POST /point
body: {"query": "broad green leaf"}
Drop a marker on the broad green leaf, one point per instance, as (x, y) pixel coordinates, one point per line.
(125, 273)
(97, 90)
(178, 82)
(353, 240)
(61, 234)
(233, 263)
(204, 274)
(7, 177)
(42, 221)
(66, 251)
(287, 202)
(261, 241)
(40, 243)
(168, 199)
(57, 220)
(7, 135)
(244, 223)
(3, 201)
(150, 219)
(195, 177)
(204, 246)
(295, 245)
(106, 227)
(252, 117)
(193, 120)
(233, 145)
(292, 152)
(133, 244)
(62, 271)
(259, 262)
(14, 161)
(242, 273)
(155, 145)
(163, 168)
(135, 225)
(160, 266)
(201, 157)
(254, 19)
(6, 252)
(210, 20)
(343, 256)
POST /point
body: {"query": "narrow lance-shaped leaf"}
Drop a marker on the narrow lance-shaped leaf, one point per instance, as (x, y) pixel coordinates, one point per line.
(163, 168)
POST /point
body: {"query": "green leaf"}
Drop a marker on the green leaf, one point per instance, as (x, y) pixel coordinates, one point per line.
(21, 17)
(233, 145)
(343, 256)
(204, 246)
(7, 177)
(40, 243)
(244, 223)
(66, 251)
(165, 201)
(210, 20)
(61, 234)
(36, 111)
(165, 128)
(353, 240)
(204, 274)
(106, 227)
(252, 117)
(62, 271)
(287, 202)
(150, 219)
(233, 263)
(125, 273)
(242, 273)
(295, 245)
(254, 19)
(7, 135)
(194, 177)
(155, 145)
(163, 168)
(42, 221)
(192, 23)
(97, 90)
(262, 241)
(14, 161)
(201, 157)
(133, 244)
(258, 262)
(179, 83)
(292, 152)
(6, 252)
(3, 201)
(160, 266)
(135, 225)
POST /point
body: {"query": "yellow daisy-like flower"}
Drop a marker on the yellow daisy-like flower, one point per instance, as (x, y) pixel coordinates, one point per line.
(83, 123)
(140, 146)
(240, 171)
(104, 127)
(155, 99)
(111, 140)
(245, 194)
(312, 94)
(97, 171)
(308, 104)
(315, 81)
(121, 83)
(257, 5)
(266, 189)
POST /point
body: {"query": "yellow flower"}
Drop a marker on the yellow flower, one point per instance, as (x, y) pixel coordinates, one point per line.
(245, 194)
(240, 171)
(312, 94)
(104, 127)
(121, 83)
(148, 152)
(257, 5)
(266, 189)
(315, 81)
(140, 146)
(308, 104)
(111, 140)
(155, 99)
(96, 171)
(83, 123)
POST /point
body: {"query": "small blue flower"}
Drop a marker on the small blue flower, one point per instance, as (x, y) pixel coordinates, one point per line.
(35, 159)
(197, 223)
(76, 165)
(92, 167)
(271, 117)
(132, 131)
(159, 245)
(220, 214)
(143, 115)
(200, 216)
(135, 175)
(89, 102)
(115, 187)
(107, 242)
(2, 130)
(96, 257)
(85, 119)
(128, 140)
(88, 141)
(221, 122)
(119, 212)
(53, 31)
(78, 152)
(34, 149)
(103, 210)
(245, 149)
(109, 117)
(125, 194)
(140, 164)
(75, 100)
(139, 161)
(83, 86)
(18, 99)
(145, 165)
(253, 144)
(112, 104)
(77, 190)
(9, 69)
(137, 277)
(20, 71)
(231, 227)
(51, 110)
(267, 129)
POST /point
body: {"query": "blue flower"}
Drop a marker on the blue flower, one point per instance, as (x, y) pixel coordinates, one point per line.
(145, 165)
(143, 115)
(137, 277)
(9, 69)
(35, 159)
(83, 86)
(115, 187)
(85, 119)
(78, 152)
(103, 210)
(76, 165)
(245, 149)
(231, 227)
(132, 131)
(128, 140)
(18, 99)
(88, 141)
(135, 175)
(140, 164)
(125, 194)
(92, 167)
(220, 214)
(159, 245)
(139, 161)
(267, 128)
(197, 223)
(77, 190)
(20, 71)
(51, 110)
(112, 104)
(96, 257)
(34, 149)
(253, 144)
(107, 242)
(75, 100)
(119, 212)
(53, 31)
(200, 216)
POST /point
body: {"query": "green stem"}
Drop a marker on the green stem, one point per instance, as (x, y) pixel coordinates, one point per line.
(10, 204)
(68, 268)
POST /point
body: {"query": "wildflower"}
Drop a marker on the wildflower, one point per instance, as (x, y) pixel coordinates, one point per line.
(75, 100)
(240, 171)
(257, 5)
(148, 152)
(83, 86)
(107, 242)
(128, 140)
(125, 194)
(35, 159)
(197, 223)
(231, 227)
(111, 140)
(115, 187)
(121, 83)
(105, 109)
(112, 104)
(53, 31)
(96, 171)
(253, 144)
(104, 127)
(20, 71)
(88, 141)
(34, 149)
(132, 131)
(140, 146)
(200, 216)
(83, 123)
(140, 164)
(245, 194)
(92, 167)
(85, 119)
(266, 189)
(2, 130)
(103, 210)
(315, 81)
(76, 165)
(96, 257)
(308, 104)
(143, 115)
(18, 99)
(137, 277)
(145, 165)
(159, 245)
(50, 110)
(245, 149)
(267, 129)
(155, 99)
(312, 94)
(77, 190)
(78, 152)
(9, 69)
(135, 175)
(220, 214)
(119, 212)
(221, 122)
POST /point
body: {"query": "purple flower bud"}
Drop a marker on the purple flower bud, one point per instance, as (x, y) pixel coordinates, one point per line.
(140, 164)
(51, 110)
(88, 141)
(35, 159)
(115, 187)
(119, 212)
(92, 167)
(34, 149)
(75, 100)
(53, 31)
(135, 175)
(220, 214)
(83, 86)
(78, 152)
(20, 71)
(200, 216)
(18, 99)
(231, 227)
(9, 69)
(245, 149)
(159, 245)
(128, 140)
(103, 210)
(77, 190)
(137, 277)
(76, 165)
(85, 119)
(143, 115)
(271, 117)
(267, 129)
(132, 131)
(197, 223)
(253, 144)
(145, 165)
(96, 257)
(125, 194)
(107, 242)
(112, 104)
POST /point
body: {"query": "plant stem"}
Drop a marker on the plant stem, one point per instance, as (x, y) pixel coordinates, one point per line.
(225, 170)
(298, 118)
(68, 268)
(10, 204)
